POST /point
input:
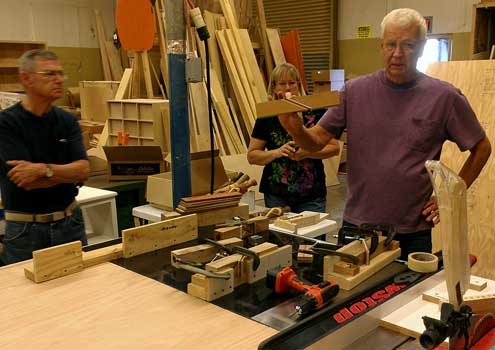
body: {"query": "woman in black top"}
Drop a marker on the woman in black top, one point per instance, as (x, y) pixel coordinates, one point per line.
(291, 176)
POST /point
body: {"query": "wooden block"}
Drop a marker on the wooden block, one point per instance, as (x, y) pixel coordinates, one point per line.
(477, 284)
(227, 232)
(169, 214)
(105, 254)
(304, 258)
(147, 238)
(366, 271)
(346, 268)
(256, 225)
(208, 288)
(231, 262)
(300, 221)
(54, 262)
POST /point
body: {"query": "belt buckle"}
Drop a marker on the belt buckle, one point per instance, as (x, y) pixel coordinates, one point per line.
(47, 217)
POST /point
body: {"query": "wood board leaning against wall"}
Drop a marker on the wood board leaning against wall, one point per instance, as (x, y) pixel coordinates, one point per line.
(476, 80)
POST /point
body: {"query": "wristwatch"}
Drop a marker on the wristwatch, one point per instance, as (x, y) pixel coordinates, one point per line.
(48, 171)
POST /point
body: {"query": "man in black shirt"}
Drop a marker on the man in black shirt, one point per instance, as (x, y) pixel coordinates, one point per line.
(42, 159)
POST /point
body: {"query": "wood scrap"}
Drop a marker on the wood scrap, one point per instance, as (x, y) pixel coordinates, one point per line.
(206, 202)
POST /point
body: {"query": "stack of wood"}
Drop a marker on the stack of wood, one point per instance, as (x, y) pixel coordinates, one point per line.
(190, 205)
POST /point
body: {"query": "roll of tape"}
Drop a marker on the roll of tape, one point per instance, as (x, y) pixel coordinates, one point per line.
(422, 262)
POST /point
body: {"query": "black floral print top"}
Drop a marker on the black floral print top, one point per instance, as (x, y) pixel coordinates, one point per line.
(297, 181)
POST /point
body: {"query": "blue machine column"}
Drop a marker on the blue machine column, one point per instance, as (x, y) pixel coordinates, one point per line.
(178, 100)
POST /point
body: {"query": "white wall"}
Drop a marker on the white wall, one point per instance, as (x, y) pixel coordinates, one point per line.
(64, 23)
(449, 16)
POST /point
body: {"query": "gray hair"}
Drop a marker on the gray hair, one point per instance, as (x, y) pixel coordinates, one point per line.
(404, 18)
(27, 62)
(278, 71)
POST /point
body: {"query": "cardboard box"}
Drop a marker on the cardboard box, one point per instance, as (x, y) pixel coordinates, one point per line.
(134, 162)
(159, 186)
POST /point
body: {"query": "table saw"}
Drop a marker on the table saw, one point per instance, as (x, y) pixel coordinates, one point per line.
(353, 309)
(138, 302)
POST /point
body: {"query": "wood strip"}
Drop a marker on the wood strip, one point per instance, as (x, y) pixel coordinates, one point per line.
(105, 254)
(100, 31)
(215, 59)
(148, 238)
(251, 58)
(264, 38)
(231, 133)
(232, 23)
(114, 60)
(162, 40)
(145, 61)
(277, 50)
(246, 111)
(239, 129)
(199, 98)
(124, 85)
(237, 58)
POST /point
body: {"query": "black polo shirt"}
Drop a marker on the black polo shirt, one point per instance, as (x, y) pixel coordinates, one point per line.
(54, 138)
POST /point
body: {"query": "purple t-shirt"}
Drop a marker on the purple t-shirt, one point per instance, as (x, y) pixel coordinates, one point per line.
(391, 131)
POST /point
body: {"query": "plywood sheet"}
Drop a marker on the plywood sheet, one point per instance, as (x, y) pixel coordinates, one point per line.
(476, 80)
(108, 307)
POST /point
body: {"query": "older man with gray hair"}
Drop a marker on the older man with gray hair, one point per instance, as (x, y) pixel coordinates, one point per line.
(42, 160)
(396, 119)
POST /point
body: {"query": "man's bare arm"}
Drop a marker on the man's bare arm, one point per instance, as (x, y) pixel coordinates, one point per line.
(30, 175)
(312, 139)
(476, 161)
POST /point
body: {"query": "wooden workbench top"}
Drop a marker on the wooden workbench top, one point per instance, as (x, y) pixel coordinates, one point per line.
(109, 307)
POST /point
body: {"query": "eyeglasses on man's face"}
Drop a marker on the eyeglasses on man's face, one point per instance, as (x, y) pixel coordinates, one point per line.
(52, 74)
(290, 83)
(405, 46)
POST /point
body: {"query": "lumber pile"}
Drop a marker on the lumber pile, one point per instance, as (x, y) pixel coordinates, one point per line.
(189, 205)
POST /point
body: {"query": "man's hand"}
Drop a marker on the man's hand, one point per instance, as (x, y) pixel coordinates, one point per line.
(430, 211)
(299, 154)
(286, 150)
(24, 172)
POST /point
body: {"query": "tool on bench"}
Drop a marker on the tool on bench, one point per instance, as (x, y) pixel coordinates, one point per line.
(348, 234)
(319, 247)
(238, 250)
(283, 280)
(194, 269)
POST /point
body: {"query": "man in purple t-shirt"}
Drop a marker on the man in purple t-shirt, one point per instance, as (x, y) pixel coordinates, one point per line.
(396, 119)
